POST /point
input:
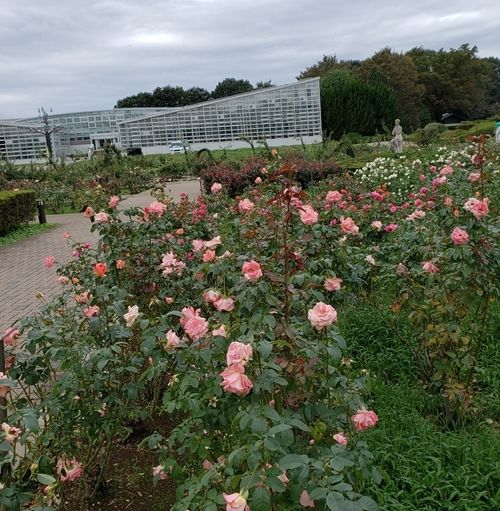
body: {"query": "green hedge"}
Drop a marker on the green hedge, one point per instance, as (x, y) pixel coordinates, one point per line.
(16, 208)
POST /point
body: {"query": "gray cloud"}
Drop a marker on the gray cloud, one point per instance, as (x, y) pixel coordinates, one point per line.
(76, 55)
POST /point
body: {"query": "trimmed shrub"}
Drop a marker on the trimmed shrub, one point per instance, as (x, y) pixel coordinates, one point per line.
(16, 208)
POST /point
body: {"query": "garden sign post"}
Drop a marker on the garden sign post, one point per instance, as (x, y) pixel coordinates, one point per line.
(497, 132)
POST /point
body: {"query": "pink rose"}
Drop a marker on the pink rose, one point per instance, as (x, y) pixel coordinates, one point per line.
(91, 312)
(245, 206)
(283, 478)
(322, 315)
(390, 227)
(120, 264)
(131, 315)
(307, 215)
(348, 226)
(67, 235)
(438, 181)
(10, 336)
(239, 353)
(251, 270)
(235, 502)
(433, 168)
(209, 255)
(82, 297)
(63, 280)
(459, 236)
(173, 340)
(220, 332)
(377, 224)
(224, 304)
(210, 296)
(235, 381)
(333, 284)
(474, 177)
(69, 470)
(158, 471)
(258, 180)
(156, 208)
(305, 500)
(214, 242)
(446, 170)
(194, 325)
(216, 188)
(333, 196)
(101, 218)
(89, 212)
(198, 245)
(429, 267)
(479, 208)
(114, 200)
(340, 438)
(207, 465)
(364, 419)
(49, 261)
(448, 201)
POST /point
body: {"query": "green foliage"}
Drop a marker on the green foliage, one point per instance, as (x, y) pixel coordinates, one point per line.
(24, 232)
(16, 208)
(167, 96)
(231, 86)
(429, 134)
(350, 105)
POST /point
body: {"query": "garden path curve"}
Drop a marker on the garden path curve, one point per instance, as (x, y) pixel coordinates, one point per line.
(22, 272)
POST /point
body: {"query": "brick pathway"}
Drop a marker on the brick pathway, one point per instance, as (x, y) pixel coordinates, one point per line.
(22, 273)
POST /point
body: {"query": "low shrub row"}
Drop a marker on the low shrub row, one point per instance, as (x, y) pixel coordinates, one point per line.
(16, 208)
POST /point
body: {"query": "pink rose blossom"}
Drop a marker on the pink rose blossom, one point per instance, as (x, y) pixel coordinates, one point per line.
(63, 280)
(422, 177)
(69, 470)
(213, 243)
(340, 438)
(429, 267)
(393, 209)
(370, 259)
(377, 224)
(158, 471)
(208, 255)
(198, 245)
(364, 419)
(477, 159)
(173, 340)
(156, 208)
(235, 380)
(433, 168)
(220, 332)
(479, 208)
(91, 312)
(251, 270)
(10, 336)
(194, 325)
(131, 315)
(215, 188)
(258, 180)
(333, 196)
(322, 315)
(283, 478)
(235, 502)
(82, 297)
(239, 353)
(114, 200)
(448, 201)
(224, 304)
(438, 181)
(348, 226)
(101, 218)
(210, 296)
(49, 261)
(474, 177)
(377, 196)
(390, 227)
(89, 212)
(120, 264)
(245, 206)
(305, 500)
(67, 235)
(459, 236)
(446, 170)
(307, 215)
(333, 284)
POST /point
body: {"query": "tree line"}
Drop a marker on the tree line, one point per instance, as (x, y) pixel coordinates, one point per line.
(365, 96)
(175, 96)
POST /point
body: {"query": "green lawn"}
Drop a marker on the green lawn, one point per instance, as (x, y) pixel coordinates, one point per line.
(24, 232)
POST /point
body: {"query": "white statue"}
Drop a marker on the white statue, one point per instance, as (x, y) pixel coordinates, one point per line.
(397, 141)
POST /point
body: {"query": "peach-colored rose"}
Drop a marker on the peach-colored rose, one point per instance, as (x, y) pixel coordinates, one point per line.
(235, 381)
(214, 242)
(91, 312)
(377, 224)
(131, 315)
(322, 315)
(239, 353)
(211, 296)
(446, 170)
(216, 188)
(333, 284)
(245, 206)
(10, 336)
(11, 433)
(459, 236)
(82, 297)
(429, 267)
(100, 269)
(364, 419)
(114, 200)
(448, 201)
(209, 255)
(340, 438)
(224, 304)
(120, 264)
(101, 218)
(348, 225)
(235, 502)
(307, 215)
(69, 470)
(251, 270)
(173, 340)
(63, 280)
(49, 261)
(305, 500)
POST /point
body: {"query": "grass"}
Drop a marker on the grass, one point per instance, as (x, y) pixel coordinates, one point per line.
(425, 466)
(24, 232)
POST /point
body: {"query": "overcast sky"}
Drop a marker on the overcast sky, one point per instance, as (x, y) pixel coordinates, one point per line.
(75, 55)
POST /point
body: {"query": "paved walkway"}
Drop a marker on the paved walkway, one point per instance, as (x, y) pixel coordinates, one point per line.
(22, 272)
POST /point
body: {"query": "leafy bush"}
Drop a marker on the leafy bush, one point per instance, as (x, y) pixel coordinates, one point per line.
(16, 208)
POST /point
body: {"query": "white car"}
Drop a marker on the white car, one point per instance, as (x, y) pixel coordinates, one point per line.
(176, 147)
